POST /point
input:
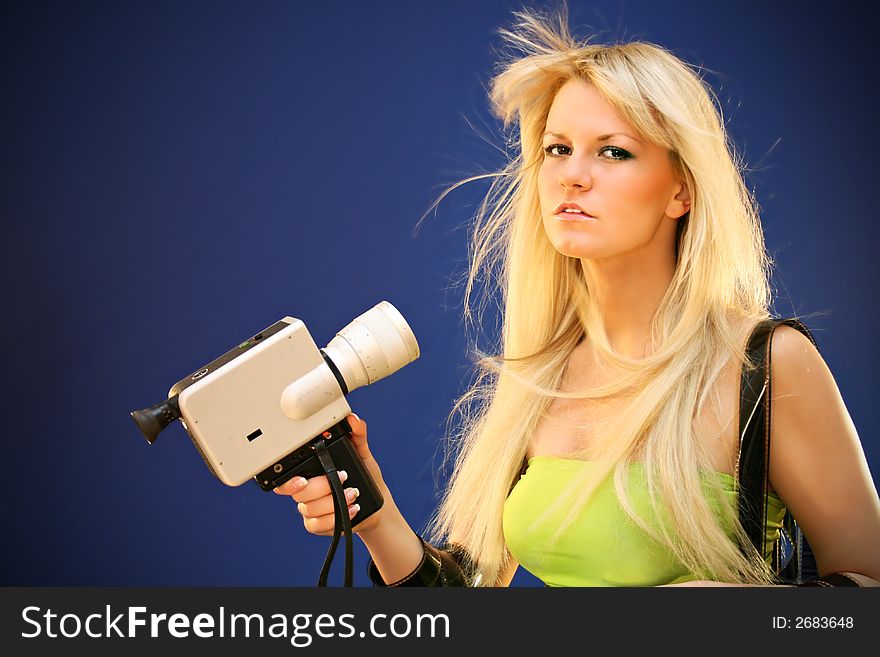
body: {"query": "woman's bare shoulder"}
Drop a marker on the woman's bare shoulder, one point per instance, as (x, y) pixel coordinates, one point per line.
(791, 349)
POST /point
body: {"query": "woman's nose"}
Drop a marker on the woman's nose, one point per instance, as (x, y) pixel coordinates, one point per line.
(575, 174)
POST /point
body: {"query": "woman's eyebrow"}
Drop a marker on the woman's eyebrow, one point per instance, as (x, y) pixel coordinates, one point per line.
(622, 134)
(558, 135)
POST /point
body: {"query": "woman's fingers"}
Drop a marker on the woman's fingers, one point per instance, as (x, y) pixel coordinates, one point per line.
(358, 426)
(324, 525)
(359, 437)
(306, 490)
(315, 501)
(324, 505)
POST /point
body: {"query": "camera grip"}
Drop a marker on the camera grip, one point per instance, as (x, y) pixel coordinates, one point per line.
(304, 463)
(345, 458)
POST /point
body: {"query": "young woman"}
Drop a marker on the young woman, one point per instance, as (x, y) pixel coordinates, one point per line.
(601, 447)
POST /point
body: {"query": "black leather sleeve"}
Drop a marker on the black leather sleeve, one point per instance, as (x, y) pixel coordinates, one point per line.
(447, 566)
(831, 580)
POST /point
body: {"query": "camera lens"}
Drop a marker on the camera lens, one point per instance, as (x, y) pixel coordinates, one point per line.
(375, 344)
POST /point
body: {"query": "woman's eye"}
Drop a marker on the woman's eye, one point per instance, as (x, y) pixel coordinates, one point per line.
(615, 153)
(557, 150)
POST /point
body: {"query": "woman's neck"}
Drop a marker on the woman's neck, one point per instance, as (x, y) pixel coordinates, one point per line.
(628, 291)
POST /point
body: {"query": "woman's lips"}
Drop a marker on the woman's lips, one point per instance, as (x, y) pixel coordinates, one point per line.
(575, 212)
(574, 216)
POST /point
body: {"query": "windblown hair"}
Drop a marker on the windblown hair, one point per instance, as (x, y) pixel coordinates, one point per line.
(720, 288)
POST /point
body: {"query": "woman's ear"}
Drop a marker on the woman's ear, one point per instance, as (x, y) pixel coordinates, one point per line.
(680, 203)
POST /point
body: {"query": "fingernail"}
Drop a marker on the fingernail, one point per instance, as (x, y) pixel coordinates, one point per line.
(298, 483)
(301, 507)
(353, 510)
(357, 417)
(351, 493)
(343, 475)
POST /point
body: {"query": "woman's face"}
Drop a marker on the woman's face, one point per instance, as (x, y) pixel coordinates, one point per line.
(604, 190)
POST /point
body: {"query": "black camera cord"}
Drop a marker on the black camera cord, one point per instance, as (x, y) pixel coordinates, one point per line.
(340, 509)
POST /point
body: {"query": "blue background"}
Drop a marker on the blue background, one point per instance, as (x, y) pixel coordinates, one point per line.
(178, 175)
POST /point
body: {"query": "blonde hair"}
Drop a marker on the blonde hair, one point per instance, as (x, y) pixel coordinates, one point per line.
(719, 289)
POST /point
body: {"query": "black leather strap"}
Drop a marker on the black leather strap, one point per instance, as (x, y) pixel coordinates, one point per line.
(753, 466)
(447, 566)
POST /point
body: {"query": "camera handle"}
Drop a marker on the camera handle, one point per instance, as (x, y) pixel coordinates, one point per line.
(338, 454)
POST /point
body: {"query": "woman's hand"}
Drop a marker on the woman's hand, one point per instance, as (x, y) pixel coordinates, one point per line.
(315, 499)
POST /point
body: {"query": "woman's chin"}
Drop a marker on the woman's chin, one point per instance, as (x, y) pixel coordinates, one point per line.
(576, 250)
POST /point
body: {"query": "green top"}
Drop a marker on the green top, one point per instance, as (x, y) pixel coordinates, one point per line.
(603, 547)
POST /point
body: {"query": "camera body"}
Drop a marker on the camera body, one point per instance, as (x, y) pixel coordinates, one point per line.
(257, 410)
(232, 407)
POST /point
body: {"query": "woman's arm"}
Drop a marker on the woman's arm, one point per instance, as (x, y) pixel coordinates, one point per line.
(396, 550)
(817, 465)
